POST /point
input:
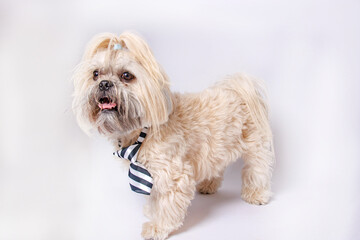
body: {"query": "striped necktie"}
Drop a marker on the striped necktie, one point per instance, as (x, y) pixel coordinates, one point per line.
(139, 178)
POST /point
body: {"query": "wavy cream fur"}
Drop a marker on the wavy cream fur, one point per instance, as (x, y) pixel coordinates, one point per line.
(192, 137)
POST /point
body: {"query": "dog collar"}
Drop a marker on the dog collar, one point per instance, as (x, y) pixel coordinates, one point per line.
(140, 179)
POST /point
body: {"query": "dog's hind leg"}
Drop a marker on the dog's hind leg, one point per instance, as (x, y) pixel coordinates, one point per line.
(258, 161)
(258, 152)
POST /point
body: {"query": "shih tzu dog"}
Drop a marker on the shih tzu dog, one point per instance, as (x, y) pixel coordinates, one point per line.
(175, 143)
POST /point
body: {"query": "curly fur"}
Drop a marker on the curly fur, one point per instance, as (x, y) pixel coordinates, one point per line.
(192, 137)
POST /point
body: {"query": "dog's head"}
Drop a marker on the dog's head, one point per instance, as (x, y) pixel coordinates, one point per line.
(119, 86)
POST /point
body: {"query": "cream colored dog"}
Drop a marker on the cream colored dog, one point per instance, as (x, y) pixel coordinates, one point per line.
(191, 137)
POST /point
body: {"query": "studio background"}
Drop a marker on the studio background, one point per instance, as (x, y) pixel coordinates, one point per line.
(57, 183)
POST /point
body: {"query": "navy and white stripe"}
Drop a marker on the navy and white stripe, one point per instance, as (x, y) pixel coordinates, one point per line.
(139, 178)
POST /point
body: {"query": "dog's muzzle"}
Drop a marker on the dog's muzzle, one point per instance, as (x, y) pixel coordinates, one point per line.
(105, 102)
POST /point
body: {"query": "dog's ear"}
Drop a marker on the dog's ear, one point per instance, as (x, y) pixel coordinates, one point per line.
(157, 98)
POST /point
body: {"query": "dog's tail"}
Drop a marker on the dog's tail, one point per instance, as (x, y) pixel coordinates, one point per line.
(253, 93)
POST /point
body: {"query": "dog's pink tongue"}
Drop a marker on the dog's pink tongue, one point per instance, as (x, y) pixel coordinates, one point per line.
(107, 105)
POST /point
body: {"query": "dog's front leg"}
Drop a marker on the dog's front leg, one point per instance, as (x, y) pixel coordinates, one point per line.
(169, 200)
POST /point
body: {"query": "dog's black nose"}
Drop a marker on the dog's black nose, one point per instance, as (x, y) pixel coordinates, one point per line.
(105, 85)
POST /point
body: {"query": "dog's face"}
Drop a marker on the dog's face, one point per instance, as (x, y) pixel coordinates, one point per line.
(119, 86)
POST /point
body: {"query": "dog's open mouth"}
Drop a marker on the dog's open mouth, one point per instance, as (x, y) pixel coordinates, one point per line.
(105, 103)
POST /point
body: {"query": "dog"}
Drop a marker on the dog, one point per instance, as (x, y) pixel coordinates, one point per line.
(120, 90)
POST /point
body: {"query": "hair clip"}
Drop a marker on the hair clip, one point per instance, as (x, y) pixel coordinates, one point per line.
(117, 46)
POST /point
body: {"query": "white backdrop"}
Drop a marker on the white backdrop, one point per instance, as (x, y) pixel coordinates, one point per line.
(56, 183)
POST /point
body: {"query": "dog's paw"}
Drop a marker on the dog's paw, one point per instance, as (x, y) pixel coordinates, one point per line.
(206, 189)
(255, 196)
(208, 186)
(151, 231)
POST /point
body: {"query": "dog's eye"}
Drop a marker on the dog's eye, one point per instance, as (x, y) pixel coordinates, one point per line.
(126, 76)
(95, 75)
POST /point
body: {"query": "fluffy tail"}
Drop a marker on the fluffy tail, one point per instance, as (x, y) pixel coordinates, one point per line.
(253, 93)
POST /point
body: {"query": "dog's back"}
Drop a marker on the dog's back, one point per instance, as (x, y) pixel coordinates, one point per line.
(221, 123)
